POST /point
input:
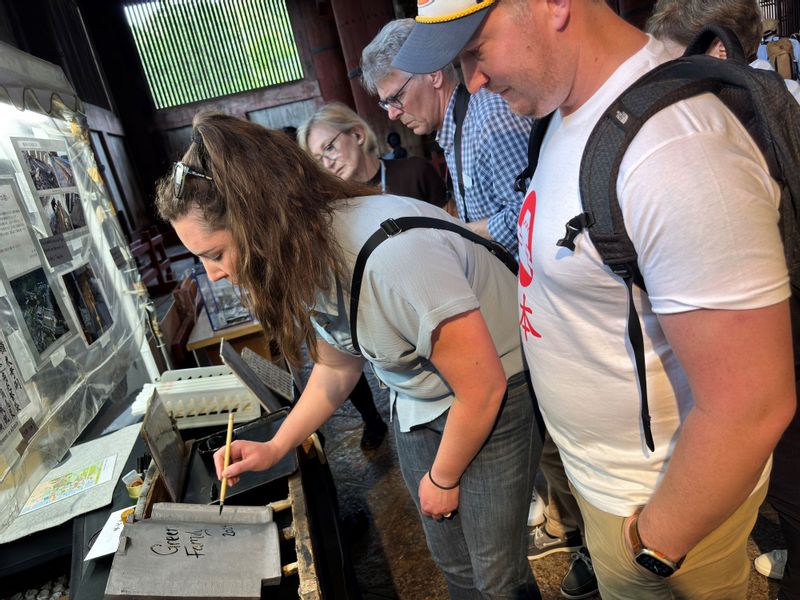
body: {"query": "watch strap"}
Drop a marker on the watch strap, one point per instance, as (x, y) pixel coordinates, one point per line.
(638, 547)
(633, 534)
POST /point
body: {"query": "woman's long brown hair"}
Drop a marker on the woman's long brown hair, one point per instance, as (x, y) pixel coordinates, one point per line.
(277, 203)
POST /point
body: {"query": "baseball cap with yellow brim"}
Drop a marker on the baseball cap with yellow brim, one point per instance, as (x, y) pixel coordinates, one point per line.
(442, 29)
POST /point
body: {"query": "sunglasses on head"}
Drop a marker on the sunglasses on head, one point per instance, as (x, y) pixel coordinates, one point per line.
(179, 174)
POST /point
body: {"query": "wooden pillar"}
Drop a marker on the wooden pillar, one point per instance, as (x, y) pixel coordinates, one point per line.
(358, 22)
(318, 27)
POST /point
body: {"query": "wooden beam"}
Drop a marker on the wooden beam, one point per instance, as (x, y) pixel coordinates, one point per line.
(306, 570)
(237, 104)
(101, 119)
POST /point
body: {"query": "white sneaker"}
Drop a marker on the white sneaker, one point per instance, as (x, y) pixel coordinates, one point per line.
(536, 511)
(771, 564)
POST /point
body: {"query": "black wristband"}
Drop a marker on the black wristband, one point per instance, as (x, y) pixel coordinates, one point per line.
(443, 487)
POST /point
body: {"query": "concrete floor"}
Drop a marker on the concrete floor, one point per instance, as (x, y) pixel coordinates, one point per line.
(389, 552)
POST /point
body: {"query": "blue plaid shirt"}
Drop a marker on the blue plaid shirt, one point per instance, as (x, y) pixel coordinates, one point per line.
(494, 149)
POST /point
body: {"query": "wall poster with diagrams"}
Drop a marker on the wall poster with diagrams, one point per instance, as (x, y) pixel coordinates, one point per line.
(71, 317)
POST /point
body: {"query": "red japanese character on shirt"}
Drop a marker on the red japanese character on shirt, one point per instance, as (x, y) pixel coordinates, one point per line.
(525, 324)
(525, 239)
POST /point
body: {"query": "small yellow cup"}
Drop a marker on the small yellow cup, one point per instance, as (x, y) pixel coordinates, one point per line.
(135, 489)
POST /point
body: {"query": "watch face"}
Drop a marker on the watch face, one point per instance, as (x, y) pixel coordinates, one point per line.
(654, 565)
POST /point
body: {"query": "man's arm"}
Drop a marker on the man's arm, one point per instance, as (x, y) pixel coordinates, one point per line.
(464, 354)
(481, 228)
(503, 155)
(739, 367)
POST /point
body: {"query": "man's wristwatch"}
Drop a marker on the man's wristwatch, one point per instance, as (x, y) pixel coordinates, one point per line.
(652, 560)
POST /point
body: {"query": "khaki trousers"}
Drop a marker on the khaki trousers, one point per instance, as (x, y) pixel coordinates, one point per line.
(717, 568)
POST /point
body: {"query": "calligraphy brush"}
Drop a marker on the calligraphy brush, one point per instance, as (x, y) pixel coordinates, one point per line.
(224, 487)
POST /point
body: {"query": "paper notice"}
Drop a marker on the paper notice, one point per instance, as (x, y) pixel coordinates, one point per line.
(108, 540)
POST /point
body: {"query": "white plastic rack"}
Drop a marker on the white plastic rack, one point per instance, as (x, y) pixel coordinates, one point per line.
(204, 396)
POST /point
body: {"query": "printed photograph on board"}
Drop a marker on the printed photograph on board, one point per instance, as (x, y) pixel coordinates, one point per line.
(62, 168)
(75, 209)
(49, 169)
(51, 176)
(89, 302)
(41, 170)
(40, 310)
(63, 212)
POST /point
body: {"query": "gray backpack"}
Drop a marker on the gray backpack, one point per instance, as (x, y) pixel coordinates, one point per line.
(758, 98)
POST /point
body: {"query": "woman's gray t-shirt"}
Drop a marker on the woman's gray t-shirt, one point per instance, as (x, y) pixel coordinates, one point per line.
(411, 284)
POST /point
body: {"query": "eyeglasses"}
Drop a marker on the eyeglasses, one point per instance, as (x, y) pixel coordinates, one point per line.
(179, 174)
(394, 100)
(330, 151)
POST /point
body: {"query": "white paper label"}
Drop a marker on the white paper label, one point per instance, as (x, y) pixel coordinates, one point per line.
(22, 354)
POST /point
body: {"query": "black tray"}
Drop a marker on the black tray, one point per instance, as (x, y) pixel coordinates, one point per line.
(201, 476)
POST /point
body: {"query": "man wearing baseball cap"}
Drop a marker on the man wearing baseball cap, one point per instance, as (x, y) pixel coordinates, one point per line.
(669, 516)
(445, 28)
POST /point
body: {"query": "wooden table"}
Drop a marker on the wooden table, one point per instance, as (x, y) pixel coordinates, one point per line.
(204, 341)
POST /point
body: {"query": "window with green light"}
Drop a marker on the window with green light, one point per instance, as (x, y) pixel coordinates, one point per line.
(194, 50)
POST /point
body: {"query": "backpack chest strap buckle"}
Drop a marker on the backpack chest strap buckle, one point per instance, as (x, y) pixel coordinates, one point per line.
(574, 226)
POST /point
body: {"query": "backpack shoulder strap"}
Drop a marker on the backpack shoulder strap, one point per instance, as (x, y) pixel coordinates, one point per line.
(683, 78)
(392, 227)
(459, 113)
(706, 36)
(535, 140)
(754, 96)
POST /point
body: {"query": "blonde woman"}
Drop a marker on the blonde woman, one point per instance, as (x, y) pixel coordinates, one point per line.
(344, 143)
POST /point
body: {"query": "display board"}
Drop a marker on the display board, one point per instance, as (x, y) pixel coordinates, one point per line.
(71, 316)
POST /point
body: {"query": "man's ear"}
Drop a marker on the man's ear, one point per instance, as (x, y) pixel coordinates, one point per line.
(559, 13)
(717, 50)
(436, 78)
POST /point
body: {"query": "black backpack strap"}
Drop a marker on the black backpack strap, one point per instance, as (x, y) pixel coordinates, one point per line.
(459, 113)
(637, 344)
(535, 140)
(703, 39)
(665, 85)
(668, 83)
(602, 214)
(390, 228)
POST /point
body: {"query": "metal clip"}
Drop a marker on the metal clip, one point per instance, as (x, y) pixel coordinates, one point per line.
(390, 227)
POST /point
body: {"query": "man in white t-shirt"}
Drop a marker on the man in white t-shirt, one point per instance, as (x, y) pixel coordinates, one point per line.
(702, 212)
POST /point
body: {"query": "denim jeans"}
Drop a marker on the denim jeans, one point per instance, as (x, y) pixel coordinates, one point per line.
(482, 549)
